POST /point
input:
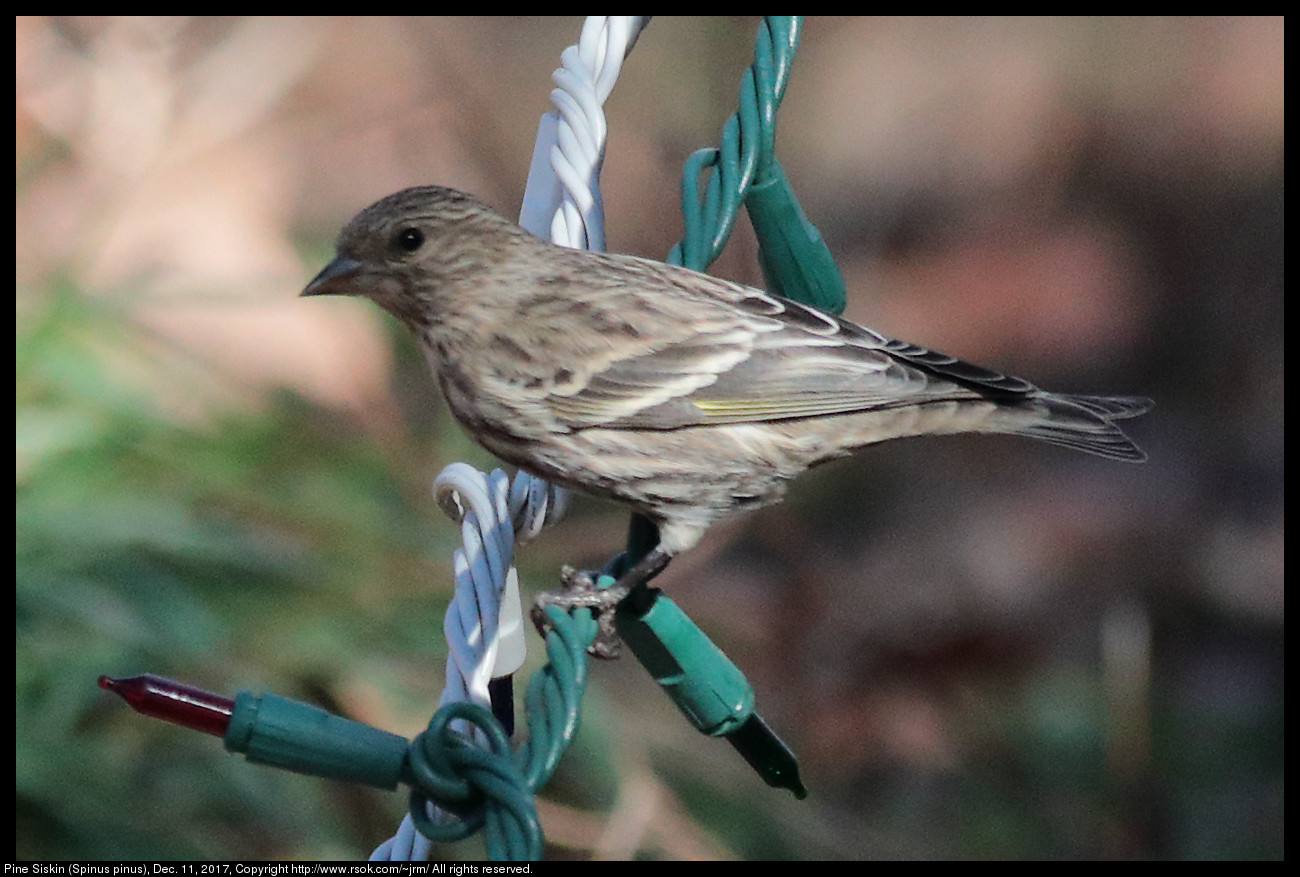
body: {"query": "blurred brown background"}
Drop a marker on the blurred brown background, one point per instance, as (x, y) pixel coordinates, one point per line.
(978, 646)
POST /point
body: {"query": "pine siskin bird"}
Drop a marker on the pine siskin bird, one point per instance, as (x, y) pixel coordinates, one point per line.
(685, 396)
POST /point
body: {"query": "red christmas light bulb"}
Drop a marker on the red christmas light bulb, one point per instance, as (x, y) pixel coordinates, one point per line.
(173, 702)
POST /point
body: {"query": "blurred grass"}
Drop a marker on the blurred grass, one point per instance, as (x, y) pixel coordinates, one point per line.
(267, 548)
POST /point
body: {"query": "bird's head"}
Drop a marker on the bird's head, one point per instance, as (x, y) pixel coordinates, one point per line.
(401, 250)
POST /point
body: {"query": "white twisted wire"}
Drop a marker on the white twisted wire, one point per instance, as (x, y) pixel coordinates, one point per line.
(562, 199)
(483, 568)
(484, 623)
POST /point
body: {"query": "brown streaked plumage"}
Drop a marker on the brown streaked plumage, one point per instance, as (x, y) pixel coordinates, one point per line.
(683, 395)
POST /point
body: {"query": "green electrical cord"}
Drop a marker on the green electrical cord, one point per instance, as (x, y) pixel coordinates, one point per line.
(745, 147)
(493, 789)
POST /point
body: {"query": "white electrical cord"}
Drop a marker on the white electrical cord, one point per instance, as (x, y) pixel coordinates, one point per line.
(484, 624)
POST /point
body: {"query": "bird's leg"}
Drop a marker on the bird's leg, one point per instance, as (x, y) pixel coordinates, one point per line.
(578, 590)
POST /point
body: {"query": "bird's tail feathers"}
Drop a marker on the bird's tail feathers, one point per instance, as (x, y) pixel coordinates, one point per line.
(1086, 423)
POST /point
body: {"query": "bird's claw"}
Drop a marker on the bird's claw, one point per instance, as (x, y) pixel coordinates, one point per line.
(578, 590)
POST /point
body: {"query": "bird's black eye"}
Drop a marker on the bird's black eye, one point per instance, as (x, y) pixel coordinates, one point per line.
(410, 239)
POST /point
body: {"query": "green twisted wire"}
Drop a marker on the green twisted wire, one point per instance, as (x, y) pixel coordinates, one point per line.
(493, 789)
(745, 150)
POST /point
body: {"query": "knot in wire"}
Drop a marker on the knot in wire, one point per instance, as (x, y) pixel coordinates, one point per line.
(463, 774)
(534, 504)
(476, 786)
(529, 504)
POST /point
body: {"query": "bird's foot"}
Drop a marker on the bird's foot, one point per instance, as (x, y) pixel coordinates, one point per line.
(580, 590)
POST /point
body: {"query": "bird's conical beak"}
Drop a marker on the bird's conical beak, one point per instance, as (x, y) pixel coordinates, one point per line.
(335, 278)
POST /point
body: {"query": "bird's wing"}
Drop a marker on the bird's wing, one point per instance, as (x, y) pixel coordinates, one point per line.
(695, 350)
